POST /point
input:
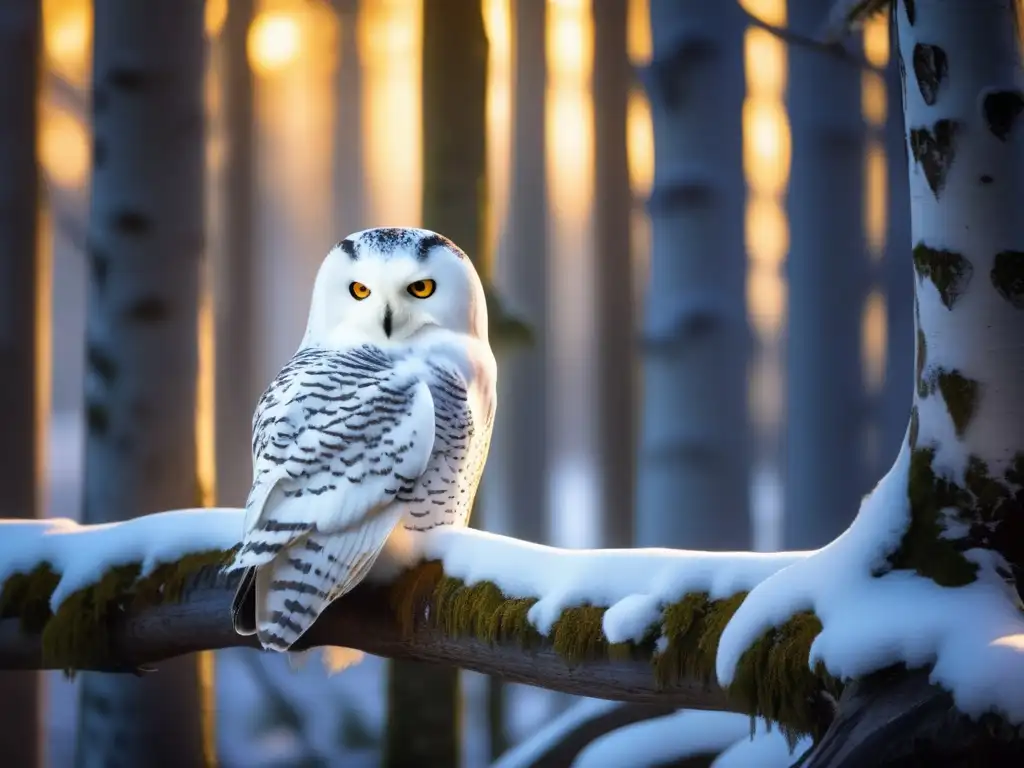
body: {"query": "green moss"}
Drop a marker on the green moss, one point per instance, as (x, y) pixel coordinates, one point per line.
(961, 397)
(949, 272)
(80, 632)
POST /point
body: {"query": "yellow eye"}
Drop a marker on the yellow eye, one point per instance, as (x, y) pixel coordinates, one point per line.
(422, 289)
(358, 291)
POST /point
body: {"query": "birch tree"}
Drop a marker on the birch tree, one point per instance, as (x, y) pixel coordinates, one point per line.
(424, 702)
(145, 246)
(20, 36)
(828, 281)
(695, 429)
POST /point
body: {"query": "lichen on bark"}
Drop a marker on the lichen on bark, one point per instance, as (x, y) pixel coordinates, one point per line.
(931, 67)
(961, 396)
(934, 149)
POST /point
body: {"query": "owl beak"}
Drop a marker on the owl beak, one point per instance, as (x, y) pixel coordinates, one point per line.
(387, 320)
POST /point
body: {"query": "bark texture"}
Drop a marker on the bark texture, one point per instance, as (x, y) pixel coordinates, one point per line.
(145, 246)
(424, 702)
(827, 410)
(20, 42)
(961, 63)
(695, 432)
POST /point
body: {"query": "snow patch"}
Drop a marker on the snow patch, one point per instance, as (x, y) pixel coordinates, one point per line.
(974, 635)
(561, 578)
(527, 752)
(81, 554)
(664, 740)
(767, 749)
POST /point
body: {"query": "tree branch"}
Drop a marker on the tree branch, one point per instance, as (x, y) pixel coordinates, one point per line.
(364, 621)
(828, 46)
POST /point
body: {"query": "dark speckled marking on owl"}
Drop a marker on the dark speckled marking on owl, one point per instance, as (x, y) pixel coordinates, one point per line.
(349, 248)
(386, 240)
(430, 242)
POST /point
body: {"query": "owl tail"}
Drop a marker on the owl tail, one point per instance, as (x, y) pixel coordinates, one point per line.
(297, 585)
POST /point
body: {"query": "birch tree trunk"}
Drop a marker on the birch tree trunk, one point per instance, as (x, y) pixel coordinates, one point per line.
(20, 37)
(695, 429)
(963, 108)
(238, 387)
(614, 275)
(145, 247)
(424, 703)
(349, 169)
(829, 277)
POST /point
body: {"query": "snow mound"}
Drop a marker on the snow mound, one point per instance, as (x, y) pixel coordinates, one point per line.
(81, 554)
(634, 584)
(974, 635)
(767, 749)
(665, 740)
(527, 752)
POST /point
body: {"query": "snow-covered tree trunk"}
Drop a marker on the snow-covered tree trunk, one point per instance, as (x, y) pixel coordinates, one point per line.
(20, 34)
(424, 702)
(145, 246)
(238, 388)
(616, 369)
(828, 278)
(964, 115)
(693, 460)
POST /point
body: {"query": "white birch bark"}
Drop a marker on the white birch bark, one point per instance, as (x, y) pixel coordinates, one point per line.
(693, 460)
(145, 246)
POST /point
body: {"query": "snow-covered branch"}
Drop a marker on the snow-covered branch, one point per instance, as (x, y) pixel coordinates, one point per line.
(629, 625)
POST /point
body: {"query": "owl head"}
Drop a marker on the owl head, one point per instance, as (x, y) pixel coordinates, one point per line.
(394, 286)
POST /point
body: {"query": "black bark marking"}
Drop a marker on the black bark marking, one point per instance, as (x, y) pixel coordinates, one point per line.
(97, 418)
(961, 397)
(670, 75)
(128, 78)
(99, 152)
(102, 364)
(1008, 276)
(923, 389)
(130, 222)
(931, 67)
(915, 427)
(99, 266)
(147, 310)
(910, 8)
(1001, 110)
(934, 151)
(949, 272)
(986, 179)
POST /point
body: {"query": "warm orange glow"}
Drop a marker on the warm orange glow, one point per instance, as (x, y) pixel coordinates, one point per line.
(769, 11)
(205, 424)
(638, 32)
(764, 57)
(640, 143)
(498, 26)
(873, 103)
(873, 339)
(274, 42)
(570, 41)
(876, 198)
(216, 13)
(767, 231)
(390, 45)
(766, 145)
(876, 39)
(67, 38)
(63, 147)
(766, 298)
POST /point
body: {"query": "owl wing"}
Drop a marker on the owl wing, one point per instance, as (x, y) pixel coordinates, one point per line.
(337, 437)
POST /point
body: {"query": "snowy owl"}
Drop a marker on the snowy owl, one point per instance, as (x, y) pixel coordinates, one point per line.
(382, 418)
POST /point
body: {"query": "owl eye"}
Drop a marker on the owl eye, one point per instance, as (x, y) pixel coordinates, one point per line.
(358, 291)
(422, 289)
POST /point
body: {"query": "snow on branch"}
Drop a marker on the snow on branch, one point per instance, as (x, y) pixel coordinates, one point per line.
(629, 625)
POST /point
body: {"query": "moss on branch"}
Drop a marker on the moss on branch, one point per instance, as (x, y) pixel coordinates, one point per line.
(773, 679)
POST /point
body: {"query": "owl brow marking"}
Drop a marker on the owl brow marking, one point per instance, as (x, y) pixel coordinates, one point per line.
(348, 247)
(430, 242)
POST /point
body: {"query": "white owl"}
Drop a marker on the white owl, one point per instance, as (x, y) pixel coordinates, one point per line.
(382, 418)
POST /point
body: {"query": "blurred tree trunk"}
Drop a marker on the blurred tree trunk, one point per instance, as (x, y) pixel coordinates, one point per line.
(694, 466)
(829, 277)
(614, 274)
(145, 246)
(898, 279)
(424, 702)
(20, 43)
(349, 170)
(238, 387)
